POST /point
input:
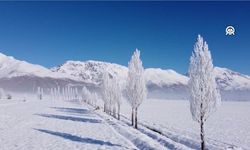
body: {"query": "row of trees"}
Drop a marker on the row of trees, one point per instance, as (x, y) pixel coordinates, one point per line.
(204, 94)
(65, 93)
(135, 89)
(68, 93)
(88, 97)
(111, 95)
(4, 95)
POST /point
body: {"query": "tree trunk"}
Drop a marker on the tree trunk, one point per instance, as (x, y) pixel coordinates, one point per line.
(114, 111)
(136, 118)
(118, 112)
(202, 134)
(132, 117)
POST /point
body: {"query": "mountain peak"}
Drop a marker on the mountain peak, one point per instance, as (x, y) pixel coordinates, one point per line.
(167, 82)
(228, 79)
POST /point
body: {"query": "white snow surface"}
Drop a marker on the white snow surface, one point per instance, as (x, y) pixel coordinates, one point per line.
(28, 123)
(227, 127)
(52, 125)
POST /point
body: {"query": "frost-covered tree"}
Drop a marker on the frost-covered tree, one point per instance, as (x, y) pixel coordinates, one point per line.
(58, 91)
(111, 94)
(94, 98)
(86, 95)
(63, 93)
(75, 93)
(39, 93)
(136, 88)
(106, 91)
(117, 96)
(204, 95)
(1, 93)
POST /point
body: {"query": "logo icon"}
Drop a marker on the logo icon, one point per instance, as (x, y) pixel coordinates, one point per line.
(230, 30)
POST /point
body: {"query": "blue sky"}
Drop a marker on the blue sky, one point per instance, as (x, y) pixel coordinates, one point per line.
(49, 33)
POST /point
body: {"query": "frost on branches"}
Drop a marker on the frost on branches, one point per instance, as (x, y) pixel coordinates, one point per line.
(111, 95)
(136, 88)
(204, 95)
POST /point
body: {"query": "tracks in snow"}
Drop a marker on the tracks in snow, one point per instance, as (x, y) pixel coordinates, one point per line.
(143, 138)
(149, 137)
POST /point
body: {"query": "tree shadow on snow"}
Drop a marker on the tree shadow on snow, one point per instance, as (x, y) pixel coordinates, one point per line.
(78, 119)
(71, 110)
(77, 138)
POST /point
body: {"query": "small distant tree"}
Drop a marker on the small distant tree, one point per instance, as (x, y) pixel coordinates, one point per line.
(58, 91)
(51, 94)
(106, 92)
(76, 93)
(94, 99)
(8, 96)
(117, 96)
(86, 95)
(40, 93)
(204, 95)
(136, 88)
(1, 93)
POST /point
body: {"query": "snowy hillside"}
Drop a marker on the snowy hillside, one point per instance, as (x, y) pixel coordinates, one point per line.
(161, 83)
(166, 84)
(233, 85)
(164, 77)
(91, 71)
(21, 76)
(229, 80)
(11, 67)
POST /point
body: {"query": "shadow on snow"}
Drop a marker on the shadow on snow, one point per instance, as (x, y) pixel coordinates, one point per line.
(71, 110)
(78, 119)
(77, 138)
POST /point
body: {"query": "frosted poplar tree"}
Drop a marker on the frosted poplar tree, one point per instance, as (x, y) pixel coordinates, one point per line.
(111, 94)
(63, 93)
(58, 93)
(105, 91)
(68, 92)
(86, 95)
(204, 95)
(94, 99)
(39, 93)
(117, 96)
(76, 93)
(1, 93)
(51, 94)
(136, 88)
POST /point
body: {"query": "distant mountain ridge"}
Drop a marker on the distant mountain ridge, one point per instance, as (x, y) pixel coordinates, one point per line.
(15, 75)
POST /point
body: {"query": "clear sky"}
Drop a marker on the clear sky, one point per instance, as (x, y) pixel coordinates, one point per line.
(49, 33)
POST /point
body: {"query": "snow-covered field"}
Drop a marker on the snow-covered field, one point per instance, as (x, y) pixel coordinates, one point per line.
(50, 125)
(229, 125)
(54, 124)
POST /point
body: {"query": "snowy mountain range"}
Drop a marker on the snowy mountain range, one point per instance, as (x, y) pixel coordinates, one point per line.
(21, 76)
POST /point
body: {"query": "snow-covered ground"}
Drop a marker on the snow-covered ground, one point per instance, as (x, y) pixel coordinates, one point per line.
(230, 125)
(33, 124)
(50, 125)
